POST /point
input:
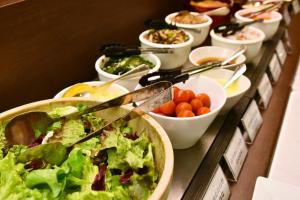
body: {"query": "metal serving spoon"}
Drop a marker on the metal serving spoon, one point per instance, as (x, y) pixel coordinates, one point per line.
(45, 152)
(136, 72)
(238, 72)
(21, 129)
(56, 153)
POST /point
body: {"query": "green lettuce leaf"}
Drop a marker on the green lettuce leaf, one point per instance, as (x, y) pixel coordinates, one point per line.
(12, 185)
(60, 111)
(71, 131)
(90, 195)
(45, 179)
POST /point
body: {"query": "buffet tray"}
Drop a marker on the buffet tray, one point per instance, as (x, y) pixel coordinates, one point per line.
(194, 167)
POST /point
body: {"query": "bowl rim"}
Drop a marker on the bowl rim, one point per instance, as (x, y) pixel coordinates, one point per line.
(266, 21)
(166, 176)
(92, 83)
(157, 65)
(242, 57)
(171, 46)
(191, 26)
(245, 78)
(232, 41)
(216, 110)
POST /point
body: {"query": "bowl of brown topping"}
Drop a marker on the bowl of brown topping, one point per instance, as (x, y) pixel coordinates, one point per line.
(195, 23)
(179, 41)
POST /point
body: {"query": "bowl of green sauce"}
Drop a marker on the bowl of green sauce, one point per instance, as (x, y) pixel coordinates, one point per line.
(111, 68)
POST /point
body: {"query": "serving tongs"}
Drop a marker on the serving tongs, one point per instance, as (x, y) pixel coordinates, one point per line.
(119, 51)
(178, 76)
(232, 28)
(152, 97)
(264, 9)
(259, 3)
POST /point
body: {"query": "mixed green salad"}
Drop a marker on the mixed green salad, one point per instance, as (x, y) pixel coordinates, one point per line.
(119, 66)
(119, 164)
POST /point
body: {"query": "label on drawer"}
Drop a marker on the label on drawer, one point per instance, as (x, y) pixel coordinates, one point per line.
(296, 7)
(275, 68)
(265, 90)
(252, 120)
(218, 188)
(236, 153)
(281, 52)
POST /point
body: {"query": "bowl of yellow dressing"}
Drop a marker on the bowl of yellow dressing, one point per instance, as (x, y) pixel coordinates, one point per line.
(90, 90)
(235, 91)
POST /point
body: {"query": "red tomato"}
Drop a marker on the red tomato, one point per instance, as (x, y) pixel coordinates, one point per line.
(196, 104)
(156, 110)
(175, 90)
(185, 113)
(183, 106)
(204, 98)
(191, 94)
(203, 110)
(181, 96)
(168, 108)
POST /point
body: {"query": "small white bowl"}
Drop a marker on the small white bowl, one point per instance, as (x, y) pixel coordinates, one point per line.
(198, 31)
(114, 88)
(185, 132)
(224, 74)
(253, 46)
(130, 84)
(213, 51)
(174, 60)
(269, 27)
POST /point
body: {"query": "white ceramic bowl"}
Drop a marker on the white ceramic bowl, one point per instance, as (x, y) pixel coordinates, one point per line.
(115, 89)
(198, 31)
(185, 132)
(243, 83)
(269, 27)
(130, 84)
(253, 46)
(213, 51)
(174, 60)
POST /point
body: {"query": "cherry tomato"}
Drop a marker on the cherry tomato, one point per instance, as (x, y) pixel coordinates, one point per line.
(185, 113)
(183, 106)
(203, 110)
(181, 96)
(204, 98)
(191, 94)
(196, 104)
(156, 110)
(168, 108)
(175, 90)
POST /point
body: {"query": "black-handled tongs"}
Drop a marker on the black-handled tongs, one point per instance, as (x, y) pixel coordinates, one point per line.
(232, 28)
(119, 51)
(178, 76)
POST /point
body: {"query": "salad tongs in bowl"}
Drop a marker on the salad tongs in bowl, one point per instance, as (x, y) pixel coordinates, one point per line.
(152, 96)
(232, 28)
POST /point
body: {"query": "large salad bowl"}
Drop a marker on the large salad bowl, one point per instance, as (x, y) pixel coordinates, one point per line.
(161, 151)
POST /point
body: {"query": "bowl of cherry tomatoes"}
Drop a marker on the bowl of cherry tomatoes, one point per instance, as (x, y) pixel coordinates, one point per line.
(195, 105)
